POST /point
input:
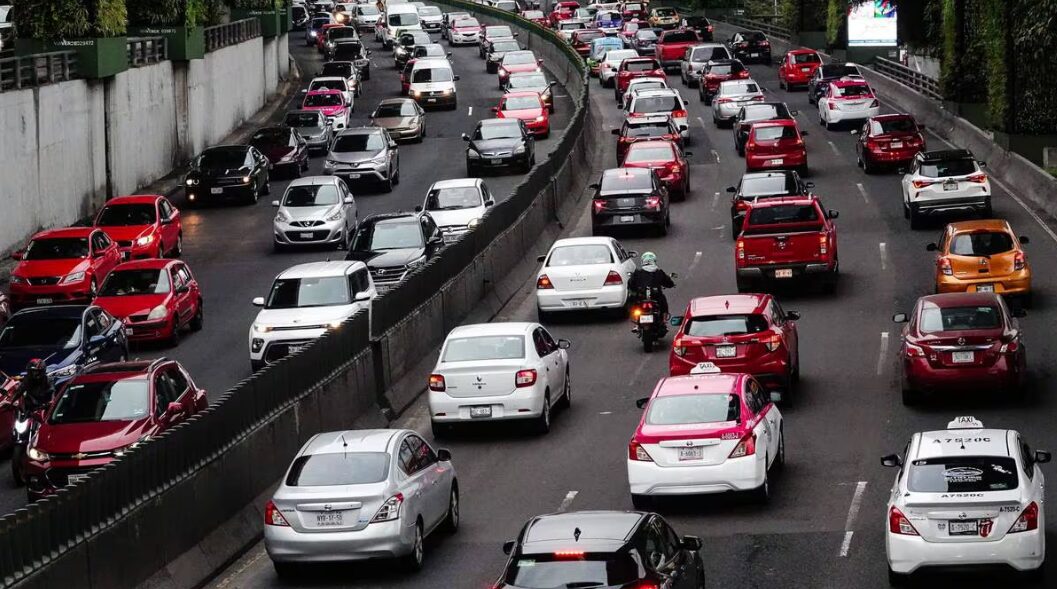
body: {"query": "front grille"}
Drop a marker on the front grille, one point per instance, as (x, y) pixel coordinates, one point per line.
(82, 456)
(137, 318)
(278, 350)
(306, 223)
(124, 243)
(433, 93)
(496, 154)
(227, 182)
(297, 327)
(61, 477)
(44, 280)
(300, 235)
(385, 276)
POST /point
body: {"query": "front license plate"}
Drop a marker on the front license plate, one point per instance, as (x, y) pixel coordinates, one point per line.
(785, 273)
(896, 144)
(705, 368)
(306, 235)
(964, 528)
(950, 186)
(495, 161)
(775, 162)
(76, 478)
(326, 520)
(985, 288)
(353, 176)
(695, 453)
(725, 351)
(484, 411)
(44, 301)
(216, 191)
(627, 219)
(295, 349)
(962, 357)
(646, 319)
(431, 100)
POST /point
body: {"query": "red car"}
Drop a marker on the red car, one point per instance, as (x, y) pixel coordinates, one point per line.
(957, 342)
(717, 71)
(405, 77)
(646, 128)
(155, 299)
(581, 40)
(516, 62)
(797, 68)
(104, 412)
(668, 159)
(321, 38)
(889, 140)
(62, 266)
(672, 45)
(144, 226)
(636, 67)
(776, 144)
(562, 11)
(628, 30)
(748, 333)
(634, 10)
(527, 106)
(787, 239)
(537, 17)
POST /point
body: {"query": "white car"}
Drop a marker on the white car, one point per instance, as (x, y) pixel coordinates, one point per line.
(607, 71)
(637, 84)
(457, 205)
(432, 18)
(945, 181)
(366, 17)
(316, 210)
(498, 371)
(731, 96)
(432, 83)
(965, 496)
(581, 273)
(334, 83)
(566, 27)
(305, 302)
(664, 101)
(397, 19)
(847, 99)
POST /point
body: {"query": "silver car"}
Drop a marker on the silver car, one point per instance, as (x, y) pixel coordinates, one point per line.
(364, 154)
(402, 117)
(731, 96)
(313, 126)
(318, 210)
(358, 495)
(695, 59)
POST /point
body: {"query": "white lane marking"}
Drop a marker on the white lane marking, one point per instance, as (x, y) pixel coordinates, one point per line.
(605, 413)
(242, 568)
(697, 259)
(884, 255)
(567, 501)
(715, 154)
(469, 111)
(702, 121)
(834, 146)
(862, 191)
(715, 200)
(883, 352)
(561, 95)
(853, 512)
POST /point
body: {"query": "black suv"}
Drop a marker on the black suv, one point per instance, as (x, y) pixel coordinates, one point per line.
(602, 549)
(499, 143)
(763, 185)
(757, 113)
(629, 197)
(393, 244)
(750, 46)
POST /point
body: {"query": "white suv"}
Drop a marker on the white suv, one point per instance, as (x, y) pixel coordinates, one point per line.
(305, 302)
(945, 181)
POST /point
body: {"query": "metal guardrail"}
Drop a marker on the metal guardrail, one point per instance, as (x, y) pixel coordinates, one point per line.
(758, 25)
(36, 70)
(221, 36)
(910, 78)
(146, 50)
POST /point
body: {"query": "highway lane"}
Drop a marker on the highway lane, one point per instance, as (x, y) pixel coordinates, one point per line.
(847, 414)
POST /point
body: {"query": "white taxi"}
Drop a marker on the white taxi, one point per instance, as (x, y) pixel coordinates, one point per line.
(966, 496)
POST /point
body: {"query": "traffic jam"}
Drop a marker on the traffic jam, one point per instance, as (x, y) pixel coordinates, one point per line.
(965, 494)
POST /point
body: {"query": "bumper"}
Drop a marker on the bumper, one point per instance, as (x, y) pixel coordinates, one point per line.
(839, 116)
(45, 479)
(628, 219)
(772, 370)
(523, 403)
(147, 331)
(30, 296)
(1023, 551)
(734, 474)
(444, 99)
(538, 127)
(458, 39)
(508, 161)
(433, 27)
(940, 205)
(799, 270)
(330, 233)
(606, 297)
(354, 174)
(205, 194)
(379, 540)
(774, 161)
(278, 344)
(727, 110)
(1018, 283)
(409, 133)
(892, 156)
(318, 144)
(921, 376)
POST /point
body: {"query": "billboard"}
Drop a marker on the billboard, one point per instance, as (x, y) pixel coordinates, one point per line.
(871, 23)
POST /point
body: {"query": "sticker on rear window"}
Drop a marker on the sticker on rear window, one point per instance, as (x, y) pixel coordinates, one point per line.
(963, 474)
(526, 563)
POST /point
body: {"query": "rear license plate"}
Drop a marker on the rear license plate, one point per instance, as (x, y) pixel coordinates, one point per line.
(627, 219)
(646, 319)
(896, 144)
(495, 161)
(216, 191)
(705, 368)
(44, 301)
(725, 351)
(962, 357)
(754, 55)
(306, 235)
(694, 453)
(76, 478)
(950, 185)
(578, 303)
(326, 520)
(805, 69)
(985, 288)
(776, 162)
(485, 411)
(786, 273)
(964, 527)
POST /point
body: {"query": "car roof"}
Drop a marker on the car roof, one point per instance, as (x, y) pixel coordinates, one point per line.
(314, 181)
(959, 299)
(497, 122)
(65, 232)
(773, 201)
(327, 91)
(111, 371)
(328, 79)
(848, 82)
(895, 116)
(395, 101)
(962, 442)
(391, 217)
(940, 155)
(544, 531)
(457, 183)
(699, 384)
(581, 241)
(321, 269)
(298, 111)
(521, 94)
(732, 303)
(146, 264)
(432, 62)
(53, 311)
(626, 172)
(361, 440)
(494, 328)
(133, 199)
(650, 92)
(981, 225)
(361, 131)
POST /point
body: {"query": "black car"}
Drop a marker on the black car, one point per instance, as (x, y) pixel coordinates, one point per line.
(629, 197)
(351, 50)
(499, 143)
(284, 147)
(405, 44)
(826, 73)
(701, 26)
(66, 337)
(335, 36)
(344, 69)
(298, 17)
(755, 113)
(5, 309)
(226, 172)
(496, 52)
(393, 244)
(763, 185)
(750, 46)
(602, 549)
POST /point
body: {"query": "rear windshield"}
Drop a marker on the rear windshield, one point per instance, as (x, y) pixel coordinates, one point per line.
(885, 126)
(948, 168)
(806, 58)
(679, 37)
(656, 104)
(686, 409)
(963, 474)
(547, 571)
(627, 181)
(649, 154)
(936, 319)
(645, 35)
(396, 109)
(724, 69)
(664, 11)
(641, 66)
(130, 214)
(531, 14)
(343, 70)
(764, 112)
(344, 468)
(489, 347)
(367, 10)
(303, 120)
(768, 186)
(522, 103)
(580, 255)
(720, 325)
(852, 91)
(527, 81)
(981, 244)
(135, 282)
(738, 88)
(838, 71)
(329, 85)
(708, 54)
(586, 36)
(782, 214)
(754, 36)
(519, 57)
(773, 132)
(119, 400)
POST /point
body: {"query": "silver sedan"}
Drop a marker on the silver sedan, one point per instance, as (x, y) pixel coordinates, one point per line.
(731, 96)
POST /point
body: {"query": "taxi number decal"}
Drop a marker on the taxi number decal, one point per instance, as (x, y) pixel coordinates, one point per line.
(1010, 508)
(960, 440)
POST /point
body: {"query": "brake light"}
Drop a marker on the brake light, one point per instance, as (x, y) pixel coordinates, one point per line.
(765, 43)
(915, 351)
(725, 100)
(502, 72)
(823, 244)
(771, 342)
(613, 279)
(743, 74)
(743, 44)
(875, 104)
(741, 249)
(599, 204)
(978, 178)
(678, 114)
(922, 183)
(759, 98)
(1019, 261)
(1028, 520)
(436, 383)
(711, 28)
(569, 554)
(543, 282)
(945, 267)
(272, 517)
(525, 378)
(637, 452)
(746, 447)
(652, 202)
(831, 105)
(1011, 346)
(682, 346)
(389, 510)
(899, 524)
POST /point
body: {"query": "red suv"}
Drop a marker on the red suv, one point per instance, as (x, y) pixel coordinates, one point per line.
(957, 342)
(62, 266)
(777, 144)
(889, 140)
(797, 68)
(103, 413)
(646, 128)
(144, 226)
(562, 11)
(636, 67)
(748, 333)
(668, 159)
(155, 299)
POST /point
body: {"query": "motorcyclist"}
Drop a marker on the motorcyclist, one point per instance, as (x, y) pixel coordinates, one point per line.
(35, 388)
(650, 275)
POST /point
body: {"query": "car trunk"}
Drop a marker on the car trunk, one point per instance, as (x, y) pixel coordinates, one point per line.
(950, 517)
(624, 203)
(778, 245)
(957, 349)
(724, 348)
(583, 277)
(852, 104)
(480, 378)
(775, 146)
(705, 444)
(337, 508)
(977, 267)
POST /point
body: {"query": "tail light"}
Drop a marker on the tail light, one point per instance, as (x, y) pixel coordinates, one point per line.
(915, 351)
(711, 28)
(569, 554)
(823, 244)
(745, 447)
(899, 524)
(543, 282)
(637, 452)
(765, 43)
(743, 45)
(599, 204)
(1019, 261)
(978, 178)
(740, 247)
(875, 104)
(272, 517)
(759, 98)
(1011, 346)
(922, 183)
(743, 74)
(725, 100)
(1028, 520)
(613, 279)
(652, 202)
(389, 510)
(525, 378)
(945, 267)
(436, 383)
(503, 72)
(678, 114)
(772, 342)
(681, 346)
(831, 105)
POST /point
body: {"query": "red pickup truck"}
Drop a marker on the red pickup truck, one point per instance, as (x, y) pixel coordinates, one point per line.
(784, 239)
(672, 45)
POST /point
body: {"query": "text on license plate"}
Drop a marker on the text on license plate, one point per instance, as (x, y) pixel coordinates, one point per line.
(783, 273)
(324, 520)
(76, 478)
(896, 144)
(950, 186)
(726, 351)
(694, 453)
(353, 176)
(307, 235)
(627, 218)
(775, 162)
(483, 411)
(496, 161)
(44, 301)
(431, 100)
(964, 528)
(579, 303)
(985, 288)
(295, 349)
(646, 319)
(962, 356)
(216, 191)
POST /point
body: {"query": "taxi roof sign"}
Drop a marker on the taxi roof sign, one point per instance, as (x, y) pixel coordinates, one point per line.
(965, 422)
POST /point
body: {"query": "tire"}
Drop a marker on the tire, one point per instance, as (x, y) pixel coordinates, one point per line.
(867, 167)
(17, 476)
(915, 220)
(413, 561)
(441, 430)
(542, 424)
(566, 399)
(762, 494)
(451, 520)
(543, 316)
(779, 460)
(897, 579)
(199, 319)
(744, 285)
(267, 185)
(251, 198)
(647, 344)
(256, 365)
(178, 249)
(387, 186)
(910, 398)
(643, 502)
(174, 338)
(286, 570)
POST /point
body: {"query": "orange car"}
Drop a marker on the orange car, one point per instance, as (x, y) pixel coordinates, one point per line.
(982, 256)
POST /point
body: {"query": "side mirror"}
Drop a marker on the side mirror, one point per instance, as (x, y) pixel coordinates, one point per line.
(456, 78)
(684, 128)
(258, 301)
(809, 184)
(676, 320)
(564, 344)
(490, 202)
(17, 255)
(508, 546)
(1019, 312)
(465, 137)
(732, 189)
(921, 127)
(640, 403)
(892, 461)
(899, 318)
(444, 455)
(182, 289)
(594, 186)
(691, 543)
(275, 203)
(688, 154)
(168, 221)
(552, 83)
(1024, 239)
(347, 200)
(304, 90)
(1042, 457)
(541, 259)
(931, 247)
(832, 214)
(776, 397)
(418, 208)
(173, 408)
(449, 54)
(615, 131)
(982, 163)
(805, 133)
(792, 316)
(902, 170)
(854, 132)
(673, 274)
(633, 254)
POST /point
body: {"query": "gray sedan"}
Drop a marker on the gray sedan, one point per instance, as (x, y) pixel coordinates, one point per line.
(731, 96)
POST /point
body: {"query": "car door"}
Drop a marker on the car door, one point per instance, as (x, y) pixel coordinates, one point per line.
(559, 359)
(789, 332)
(183, 299)
(436, 489)
(767, 414)
(415, 486)
(105, 257)
(663, 557)
(169, 219)
(94, 339)
(110, 329)
(181, 392)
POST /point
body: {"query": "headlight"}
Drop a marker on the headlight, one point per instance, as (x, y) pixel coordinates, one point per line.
(245, 179)
(281, 218)
(401, 51)
(417, 262)
(329, 164)
(73, 277)
(415, 94)
(471, 153)
(17, 280)
(37, 456)
(380, 159)
(158, 312)
(473, 222)
(540, 119)
(312, 33)
(447, 91)
(63, 372)
(336, 323)
(191, 182)
(145, 240)
(520, 149)
(337, 216)
(261, 328)
(121, 451)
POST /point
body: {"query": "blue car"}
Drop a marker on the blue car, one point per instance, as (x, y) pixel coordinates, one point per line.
(609, 21)
(67, 337)
(598, 51)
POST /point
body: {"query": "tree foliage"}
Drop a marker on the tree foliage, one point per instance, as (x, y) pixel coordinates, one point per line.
(65, 19)
(189, 13)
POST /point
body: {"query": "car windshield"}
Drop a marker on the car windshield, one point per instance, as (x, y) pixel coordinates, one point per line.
(679, 37)
(122, 283)
(886, 126)
(396, 109)
(721, 325)
(32, 330)
(338, 468)
(607, 16)
(688, 409)
(645, 35)
(389, 236)
(947, 168)
(120, 400)
(358, 142)
(429, 11)
(321, 195)
(466, 22)
(619, 55)
(271, 138)
(641, 66)
(130, 214)
(504, 46)
(223, 159)
(629, 6)
(367, 10)
(339, 85)
(648, 104)
(627, 179)
(664, 11)
(403, 19)
(651, 129)
(527, 81)
(521, 103)
(589, 35)
(303, 120)
(296, 293)
(447, 199)
(639, 154)
(486, 347)
(806, 58)
(580, 255)
(431, 50)
(852, 91)
(776, 185)
(638, 85)
(981, 243)
(784, 214)
(708, 54)
(327, 99)
(317, 23)
(724, 69)
(429, 75)
(728, 88)
(962, 474)
(518, 58)
(57, 248)
(774, 132)
(507, 131)
(937, 319)
(341, 33)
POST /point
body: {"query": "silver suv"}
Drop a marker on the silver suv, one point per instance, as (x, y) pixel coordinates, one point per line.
(364, 154)
(695, 59)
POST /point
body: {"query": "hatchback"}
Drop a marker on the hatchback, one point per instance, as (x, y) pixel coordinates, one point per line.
(62, 266)
(668, 159)
(731, 97)
(629, 197)
(528, 107)
(776, 144)
(68, 337)
(847, 100)
(144, 226)
(891, 140)
(635, 67)
(155, 299)
(667, 101)
(982, 256)
(318, 210)
(364, 154)
(517, 62)
(717, 71)
(797, 68)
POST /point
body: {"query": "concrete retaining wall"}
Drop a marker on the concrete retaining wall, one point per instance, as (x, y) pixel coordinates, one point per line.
(224, 89)
(141, 126)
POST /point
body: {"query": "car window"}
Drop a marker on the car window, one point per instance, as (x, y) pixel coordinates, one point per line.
(981, 243)
(724, 325)
(424, 455)
(91, 326)
(962, 474)
(104, 320)
(693, 409)
(178, 381)
(163, 393)
(488, 347)
(751, 400)
(1027, 458)
(660, 552)
(580, 255)
(118, 400)
(542, 349)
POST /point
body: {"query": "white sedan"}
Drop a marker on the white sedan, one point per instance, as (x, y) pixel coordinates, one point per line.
(847, 99)
(498, 371)
(607, 71)
(581, 273)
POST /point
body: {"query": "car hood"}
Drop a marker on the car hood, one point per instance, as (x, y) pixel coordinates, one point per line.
(277, 152)
(524, 114)
(122, 307)
(394, 122)
(388, 258)
(127, 232)
(14, 360)
(221, 172)
(352, 156)
(521, 67)
(329, 111)
(35, 268)
(457, 216)
(305, 315)
(496, 144)
(99, 436)
(310, 131)
(309, 213)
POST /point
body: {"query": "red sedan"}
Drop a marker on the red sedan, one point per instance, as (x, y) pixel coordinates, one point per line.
(103, 413)
(777, 144)
(62, 266)
(155, 299)
(797, 67)
(636, 67)
(562, 11)
(959, 342)
(889, 140)
(748, 333)
(144, 226)
(516, 62)
(581, 40)
(668, 159)
(527, 106)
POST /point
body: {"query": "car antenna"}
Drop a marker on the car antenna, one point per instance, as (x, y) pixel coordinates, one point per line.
(576, 534)
(344, 447)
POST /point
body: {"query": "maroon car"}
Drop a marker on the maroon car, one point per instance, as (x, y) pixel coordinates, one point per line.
(284, 147)
(103, 413)
(959, 342)
(888, 140)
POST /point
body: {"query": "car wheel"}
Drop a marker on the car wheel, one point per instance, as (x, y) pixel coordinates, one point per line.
(296, 170)
(387, 186)
(988, 211)
(256, 365)
(744, 284)
(542, 424)
(897, 579)
(441, 430)
(682, 77)
(174, 337)
(178, 249)
(413, 561)
(199, 319)
(867, 167)
(93, 289)
(910, 398)
(286, 570)
(566, 400)
(253, 194)
(915, 219)
(451, 521)
(642, 502)
(267, 184)
(762, 494)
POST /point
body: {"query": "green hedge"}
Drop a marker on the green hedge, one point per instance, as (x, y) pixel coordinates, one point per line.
(255, 4)
(837, 23)
(62, 19)
(188, 13)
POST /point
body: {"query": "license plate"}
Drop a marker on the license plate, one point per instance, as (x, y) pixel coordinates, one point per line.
(627, 219)
(963, 357)
(754, 55)
(786, 273)
(964, 528)
(354, 176)
(216, 191)
(725, 351)
(431, 100)
(776, 162)
(578, 303)
(325, 520)
(76, 478)
(950, 186)
(896, 144)
(306, 235)
(694, 453)
(705, 368)
(985, 288)
(485, 411)
(495, 161)
(295, 349)
(44, 301)
(645, 318)
(805, 69)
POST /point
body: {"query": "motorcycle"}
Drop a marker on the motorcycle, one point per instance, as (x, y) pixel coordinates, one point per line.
(648, 318)
(25, 424)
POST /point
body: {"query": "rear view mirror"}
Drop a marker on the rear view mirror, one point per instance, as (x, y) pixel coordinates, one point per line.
(891, 461)
(673, 275)
(732, 189)
(854, 132)
(640, 403)
(982, 163)
(540, 259)
(688, 154)
(832, 214)
(615, 131)
(795, 113)
(456, 78)
(805, 133)
(594, 185)
(490, 202)
(363, 296)
(465, 137)
(258, 302)
(17, 255)
(792, 315)
(931, 247)
(809, 184)
(275, 203)
(347, 200)
(418, 208)
(899, 318)
(776, 397)
(494, 109)
(173, 408)
(1042, 456)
